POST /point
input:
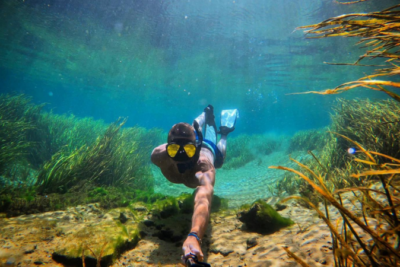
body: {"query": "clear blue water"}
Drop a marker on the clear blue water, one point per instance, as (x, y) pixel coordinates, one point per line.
(160, 62)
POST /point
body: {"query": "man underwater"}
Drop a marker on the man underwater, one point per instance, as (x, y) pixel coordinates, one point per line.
(189, 159)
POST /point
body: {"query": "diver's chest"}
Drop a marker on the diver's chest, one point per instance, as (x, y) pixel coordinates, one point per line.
(175, 176)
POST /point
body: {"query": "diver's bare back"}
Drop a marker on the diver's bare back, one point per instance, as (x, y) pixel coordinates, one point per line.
(169, 168)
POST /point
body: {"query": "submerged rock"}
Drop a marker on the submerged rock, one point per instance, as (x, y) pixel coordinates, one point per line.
(122, 217)
(262, 218)
(251, 242)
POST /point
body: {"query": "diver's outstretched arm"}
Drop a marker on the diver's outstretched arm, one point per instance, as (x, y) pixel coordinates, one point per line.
(201, 215)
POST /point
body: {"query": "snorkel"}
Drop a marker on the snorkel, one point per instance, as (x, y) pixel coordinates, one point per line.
(199, 136)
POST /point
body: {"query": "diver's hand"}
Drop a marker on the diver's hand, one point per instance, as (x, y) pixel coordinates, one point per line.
(191, 247)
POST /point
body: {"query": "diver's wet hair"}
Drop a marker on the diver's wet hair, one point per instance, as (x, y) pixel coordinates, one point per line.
(181, 130)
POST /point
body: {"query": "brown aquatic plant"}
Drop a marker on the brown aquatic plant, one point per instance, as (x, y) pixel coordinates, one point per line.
(98, 258)
(297, 259)
(381, 251)
(378, 32)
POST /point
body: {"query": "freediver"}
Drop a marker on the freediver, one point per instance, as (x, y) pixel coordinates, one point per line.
(188, 158)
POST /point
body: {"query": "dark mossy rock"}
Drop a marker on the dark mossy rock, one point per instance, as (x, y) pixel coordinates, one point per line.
(79, 235)
(262, 218)
(280, 207)
(122, 217)
(169, 236)
(148, 197)
(166, 208)
(186, 203)
(25, 200)
(218, 203)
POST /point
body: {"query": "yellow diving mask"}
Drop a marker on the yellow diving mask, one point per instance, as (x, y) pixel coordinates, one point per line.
(184, 150)
(181, 151)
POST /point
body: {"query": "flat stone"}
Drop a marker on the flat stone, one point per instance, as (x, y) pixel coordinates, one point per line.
(252, 242)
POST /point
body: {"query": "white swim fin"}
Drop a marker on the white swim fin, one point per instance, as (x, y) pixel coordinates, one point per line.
(228, 121)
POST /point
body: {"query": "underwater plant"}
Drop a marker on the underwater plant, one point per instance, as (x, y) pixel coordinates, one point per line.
(17, 123)
(377, 199)
(308, 140)
(70, 132)
(237, 153)
(112, 160)
(264, 144)
(28, 134)
(378, 32)
(53, 153)
(289, 185)
(245, 148)
(13, 144)
(372, 124)
(365, 122)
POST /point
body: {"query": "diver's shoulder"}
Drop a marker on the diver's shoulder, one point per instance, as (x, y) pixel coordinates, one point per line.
(159, 155)
(159, 149)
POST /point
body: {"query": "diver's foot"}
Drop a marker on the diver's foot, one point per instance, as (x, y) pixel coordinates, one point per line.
(210, 118)
(224, 130)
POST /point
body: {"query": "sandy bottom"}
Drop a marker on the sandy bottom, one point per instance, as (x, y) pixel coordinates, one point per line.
(31, 240)
(227, 243)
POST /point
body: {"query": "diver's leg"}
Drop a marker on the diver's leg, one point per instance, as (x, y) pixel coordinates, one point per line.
(211, 128)
(222, 145)
(207, 119)
(206, 116)
(201, 119)
(228, 121)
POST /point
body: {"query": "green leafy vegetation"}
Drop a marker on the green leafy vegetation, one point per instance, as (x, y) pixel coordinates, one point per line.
(238, 153)
(111, 160)
(308, 140)
(17, 123)
(374, 125)
(245, 148)
(43, 153)
(264, 144)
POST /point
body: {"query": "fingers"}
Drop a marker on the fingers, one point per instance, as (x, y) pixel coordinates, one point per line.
(183, 260)
(191, 251)
(186, 254)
